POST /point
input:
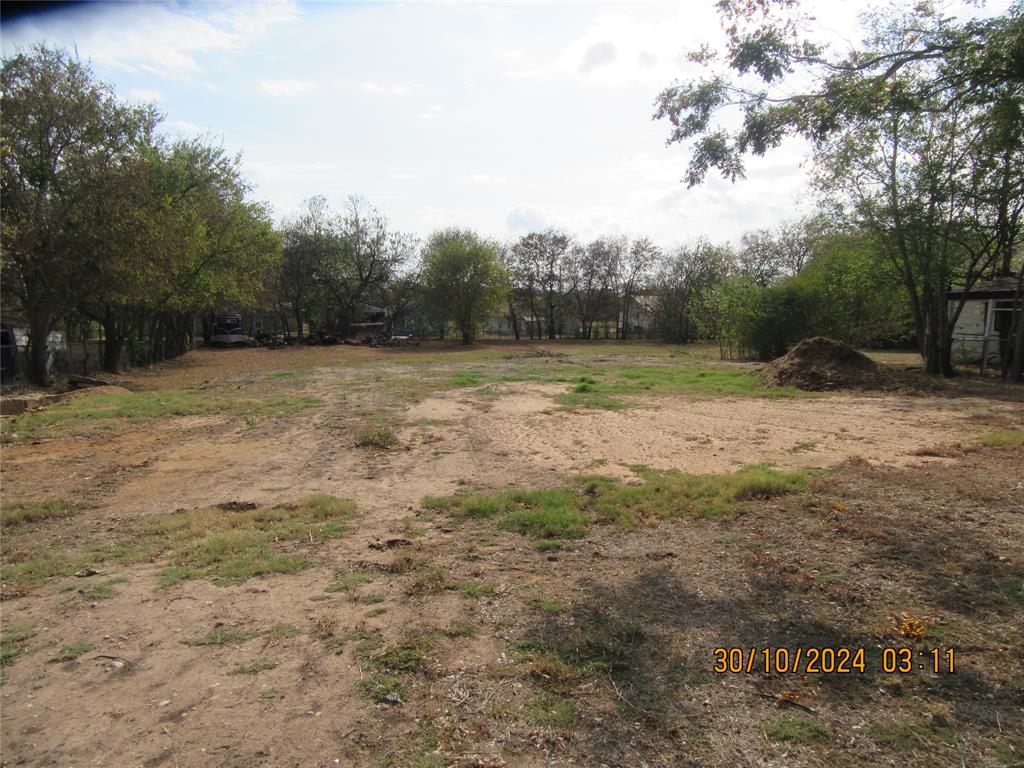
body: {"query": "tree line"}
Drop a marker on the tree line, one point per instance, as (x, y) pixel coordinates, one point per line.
(919, 169)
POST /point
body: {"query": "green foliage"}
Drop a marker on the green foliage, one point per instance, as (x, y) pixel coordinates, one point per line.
(464, 281)
(380, 436)
(382, 688)
(551, 711)
(1003, 437)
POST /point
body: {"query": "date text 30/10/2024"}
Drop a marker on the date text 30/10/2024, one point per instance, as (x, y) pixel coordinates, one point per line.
(828, 661)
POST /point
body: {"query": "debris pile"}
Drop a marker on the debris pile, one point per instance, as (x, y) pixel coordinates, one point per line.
(820, 364)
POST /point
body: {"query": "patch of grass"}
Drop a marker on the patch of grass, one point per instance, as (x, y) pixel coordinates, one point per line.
(460, 628)
(27, 569)
(34, 511)
(71, 652)
(547, 605)
(472, 588)
(796, 730)
(429, 580)
(253, 667)
(565, 513)
(463, 380)
(548, 545)
(131, 407)
(382, 688)
(667, 380)
(13, 637)
(1003, 437)
(103, 590)
(349, 581)
(280, 632)
(378, 436)
(222, 636)
(230, 546)
(408, 655)
(904, 737)
(552, 712)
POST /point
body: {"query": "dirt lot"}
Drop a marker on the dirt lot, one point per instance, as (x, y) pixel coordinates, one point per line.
(504, 556)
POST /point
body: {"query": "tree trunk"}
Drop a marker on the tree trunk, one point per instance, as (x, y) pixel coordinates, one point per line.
(38, 352)
(467, 337)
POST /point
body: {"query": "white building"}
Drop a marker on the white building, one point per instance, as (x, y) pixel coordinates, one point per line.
(983, 328)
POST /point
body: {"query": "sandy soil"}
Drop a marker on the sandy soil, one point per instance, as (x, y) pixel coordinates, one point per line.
(168, 703)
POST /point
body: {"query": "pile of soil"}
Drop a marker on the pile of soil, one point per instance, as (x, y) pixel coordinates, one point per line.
(818, 364)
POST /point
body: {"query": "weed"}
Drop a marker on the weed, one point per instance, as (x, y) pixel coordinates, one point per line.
(380, 437)
(552, 712)
(349, 581)
(71, 652)
(408, 655)
(222, 636)
(103, 590)
(382, 688)
(459, 628)
(12, 641)
(547, 605)
(253, 667)
(1003, 437)
(797, 730)
(429, 580)
(32, 512)
(280, 632)
(325, 625)
(471, 588)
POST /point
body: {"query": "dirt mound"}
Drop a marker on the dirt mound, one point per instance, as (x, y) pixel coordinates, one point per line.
(821, 363)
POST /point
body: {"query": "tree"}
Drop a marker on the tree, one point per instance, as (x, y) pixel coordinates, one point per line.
(306, 241)
(921, 90)
(682, 288)
(61, 131)
(464, 281)
(541, 257)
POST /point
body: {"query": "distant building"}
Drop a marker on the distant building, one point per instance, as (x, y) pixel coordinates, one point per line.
(982, 331)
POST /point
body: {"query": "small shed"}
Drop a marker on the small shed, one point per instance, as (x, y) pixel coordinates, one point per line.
(983, 328)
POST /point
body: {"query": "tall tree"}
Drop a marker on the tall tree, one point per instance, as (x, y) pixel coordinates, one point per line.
(61, 131)
(464, 281)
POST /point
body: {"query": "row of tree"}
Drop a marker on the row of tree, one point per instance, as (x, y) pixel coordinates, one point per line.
(106, 223)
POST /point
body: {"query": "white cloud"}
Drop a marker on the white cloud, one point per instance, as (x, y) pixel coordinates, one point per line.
(484, 180)
(146, 94)
(393, 89)
(597, 55)
(185, 127)
(161, 39)
(286, 87)
(430, 114)
(527, 218)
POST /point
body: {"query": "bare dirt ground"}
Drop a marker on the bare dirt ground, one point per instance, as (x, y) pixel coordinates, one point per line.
(453, 641)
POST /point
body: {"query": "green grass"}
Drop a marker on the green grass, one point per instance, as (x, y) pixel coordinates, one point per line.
(552, 712)
(71, 652)
(103, 590)
(13, 637)
(460, 628)
(796, 730)
(1003, 437)
(280, 632)
(349, 581)
(605, 389)
(253, 667)
(565, 513)
(222, 636)
(142, 406)
(472, 588)
(459, 380)
(408, 655)
(232, 546)
(380, 437)
(547, 605)
(382, 688)
(32, 512)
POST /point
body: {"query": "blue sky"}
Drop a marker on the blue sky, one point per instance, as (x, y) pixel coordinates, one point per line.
(501, 117)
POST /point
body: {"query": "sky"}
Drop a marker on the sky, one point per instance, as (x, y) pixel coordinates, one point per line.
(501, 117)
